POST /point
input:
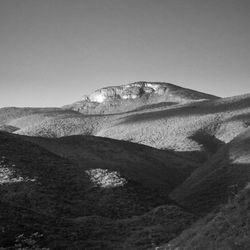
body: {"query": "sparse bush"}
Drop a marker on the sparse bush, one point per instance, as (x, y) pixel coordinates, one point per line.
(9, 175)
(105, 179)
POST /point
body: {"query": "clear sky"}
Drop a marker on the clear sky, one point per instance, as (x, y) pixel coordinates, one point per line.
(52, 52)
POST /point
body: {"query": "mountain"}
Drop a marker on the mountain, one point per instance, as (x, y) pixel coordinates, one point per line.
(135, 95)
(136, 166)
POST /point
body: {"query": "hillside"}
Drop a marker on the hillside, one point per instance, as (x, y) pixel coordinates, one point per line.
(226, 173)
(65, 198)
(174, 127)
(177, 127)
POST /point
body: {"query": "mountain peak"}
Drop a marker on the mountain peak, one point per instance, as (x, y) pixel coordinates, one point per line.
(115, 99)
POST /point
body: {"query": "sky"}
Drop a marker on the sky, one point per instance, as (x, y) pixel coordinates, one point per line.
(52, 52)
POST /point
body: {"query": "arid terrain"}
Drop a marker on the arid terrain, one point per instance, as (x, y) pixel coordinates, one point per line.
(138, 166)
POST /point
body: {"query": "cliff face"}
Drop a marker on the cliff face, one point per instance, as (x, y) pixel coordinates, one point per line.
(134, 95)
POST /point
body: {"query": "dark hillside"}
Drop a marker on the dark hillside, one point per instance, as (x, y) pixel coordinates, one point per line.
(66, 200)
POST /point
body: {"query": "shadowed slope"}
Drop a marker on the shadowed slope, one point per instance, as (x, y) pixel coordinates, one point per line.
(41, 191)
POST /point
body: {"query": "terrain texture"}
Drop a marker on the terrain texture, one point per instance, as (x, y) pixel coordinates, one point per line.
(139, 166)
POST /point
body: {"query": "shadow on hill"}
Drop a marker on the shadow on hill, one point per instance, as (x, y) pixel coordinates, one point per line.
(210, 145)
(153, 106)
(209, 142)
(142, 108)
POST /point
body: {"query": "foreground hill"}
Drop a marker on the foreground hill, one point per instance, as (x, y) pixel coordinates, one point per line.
(117, 99)
(66, 189)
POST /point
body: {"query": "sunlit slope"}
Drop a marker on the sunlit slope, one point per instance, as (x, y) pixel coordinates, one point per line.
(175, 127)
(10, 114)
(48, 122)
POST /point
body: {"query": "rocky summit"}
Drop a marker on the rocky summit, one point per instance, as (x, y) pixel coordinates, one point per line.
(127, 97)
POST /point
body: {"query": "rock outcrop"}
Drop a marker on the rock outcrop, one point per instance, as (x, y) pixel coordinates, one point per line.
(134, 95)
